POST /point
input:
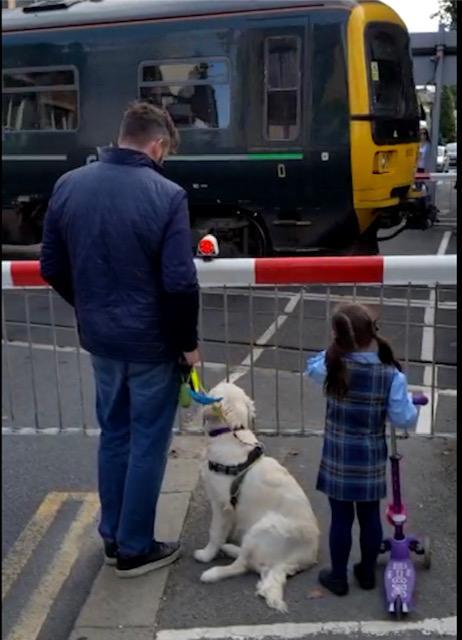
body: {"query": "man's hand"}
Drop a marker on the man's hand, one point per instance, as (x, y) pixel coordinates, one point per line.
(192, 357)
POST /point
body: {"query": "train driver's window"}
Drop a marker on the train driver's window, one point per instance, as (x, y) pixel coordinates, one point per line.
(392, 83)
(282, 87)
(40, 99)
(195, 92)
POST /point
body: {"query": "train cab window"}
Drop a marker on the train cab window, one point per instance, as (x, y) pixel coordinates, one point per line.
(40, 99)
(282, 87)
(195, 93)
(393, 94)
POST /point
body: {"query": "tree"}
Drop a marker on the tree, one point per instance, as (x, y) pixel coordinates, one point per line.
(447, 120)
(447, 13)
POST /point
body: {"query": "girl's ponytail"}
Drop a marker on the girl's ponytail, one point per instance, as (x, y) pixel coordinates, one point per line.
(335, 383)
(385, 352)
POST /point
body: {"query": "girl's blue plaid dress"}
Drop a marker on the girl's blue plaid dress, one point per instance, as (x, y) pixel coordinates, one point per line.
(354, 455)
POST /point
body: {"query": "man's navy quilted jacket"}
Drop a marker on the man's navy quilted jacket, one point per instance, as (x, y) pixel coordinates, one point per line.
(117, 245)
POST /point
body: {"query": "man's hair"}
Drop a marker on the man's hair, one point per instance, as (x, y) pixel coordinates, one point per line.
(142, 122)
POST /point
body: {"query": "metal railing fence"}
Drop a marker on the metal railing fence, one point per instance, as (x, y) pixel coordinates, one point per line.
(258, 337)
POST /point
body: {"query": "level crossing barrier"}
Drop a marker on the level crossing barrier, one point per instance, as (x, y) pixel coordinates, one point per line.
(260, 318)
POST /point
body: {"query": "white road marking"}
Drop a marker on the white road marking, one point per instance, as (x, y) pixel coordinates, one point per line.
(265, 337)
(430, 627)
(428, 413)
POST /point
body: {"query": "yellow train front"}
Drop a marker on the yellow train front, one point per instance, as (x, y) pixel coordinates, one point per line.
(298, 118)
(384, 122)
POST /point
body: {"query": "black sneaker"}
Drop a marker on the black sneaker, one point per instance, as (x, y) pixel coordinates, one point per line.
(161, 555)
(110, 553)
(338, 586)
(366, 579)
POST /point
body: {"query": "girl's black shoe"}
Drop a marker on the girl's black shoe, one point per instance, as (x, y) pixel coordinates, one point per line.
(338, 586)
(366, 579)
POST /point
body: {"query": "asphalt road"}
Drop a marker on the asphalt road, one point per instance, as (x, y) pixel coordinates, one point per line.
(33, 468)
(51, 388)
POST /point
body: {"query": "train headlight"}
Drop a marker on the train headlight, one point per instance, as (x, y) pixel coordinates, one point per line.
(382, 161)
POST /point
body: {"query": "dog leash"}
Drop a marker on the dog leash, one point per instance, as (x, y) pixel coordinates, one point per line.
(192, 388)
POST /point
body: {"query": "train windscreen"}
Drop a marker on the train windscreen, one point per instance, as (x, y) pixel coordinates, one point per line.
(394, 104)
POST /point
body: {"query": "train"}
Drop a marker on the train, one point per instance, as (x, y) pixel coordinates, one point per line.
(298, 119)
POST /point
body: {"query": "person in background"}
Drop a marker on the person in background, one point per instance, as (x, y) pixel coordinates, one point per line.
(425, 148)
(364, 386)
(117, 246)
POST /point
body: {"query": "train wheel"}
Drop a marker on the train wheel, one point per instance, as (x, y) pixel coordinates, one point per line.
(258, 243)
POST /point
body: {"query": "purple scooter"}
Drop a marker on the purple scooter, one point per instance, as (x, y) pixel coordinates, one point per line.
(400, 571)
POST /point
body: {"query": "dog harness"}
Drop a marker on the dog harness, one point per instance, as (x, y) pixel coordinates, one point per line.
(238, 470)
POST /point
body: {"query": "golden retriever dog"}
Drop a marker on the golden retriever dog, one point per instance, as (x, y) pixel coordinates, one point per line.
(260, 515)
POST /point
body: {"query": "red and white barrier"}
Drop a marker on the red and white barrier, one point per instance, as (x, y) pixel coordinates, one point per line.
(241, 272)
(435, 177)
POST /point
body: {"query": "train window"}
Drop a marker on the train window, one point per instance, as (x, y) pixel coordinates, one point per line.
(196, 93)
(390, 72)
(40, 99)
(282, 87)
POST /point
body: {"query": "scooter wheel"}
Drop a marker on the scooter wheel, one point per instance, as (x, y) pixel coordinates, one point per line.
(427, 553)
(398, 608)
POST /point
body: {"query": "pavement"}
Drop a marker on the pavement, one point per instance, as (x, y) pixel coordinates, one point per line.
(58, 588)
(429, 483)
(172, 604)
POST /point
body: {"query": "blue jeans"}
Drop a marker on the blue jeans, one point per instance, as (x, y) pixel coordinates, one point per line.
(136, 405)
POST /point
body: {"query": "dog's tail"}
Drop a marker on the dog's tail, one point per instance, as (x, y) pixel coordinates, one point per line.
(271, 588)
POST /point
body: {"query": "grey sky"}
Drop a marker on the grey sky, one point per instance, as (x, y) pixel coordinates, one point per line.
(416, 13)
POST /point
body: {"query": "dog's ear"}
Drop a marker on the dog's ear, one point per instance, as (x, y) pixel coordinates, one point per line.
(251, 410)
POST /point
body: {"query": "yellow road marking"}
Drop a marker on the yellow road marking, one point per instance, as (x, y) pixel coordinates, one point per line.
(28, 540)
(38, 607)
(31, 535)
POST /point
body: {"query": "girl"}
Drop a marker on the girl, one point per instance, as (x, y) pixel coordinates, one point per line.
(364, 386)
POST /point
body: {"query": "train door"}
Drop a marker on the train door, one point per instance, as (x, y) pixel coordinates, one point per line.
(276, 118)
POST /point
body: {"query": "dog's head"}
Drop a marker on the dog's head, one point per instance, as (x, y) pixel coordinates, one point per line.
(236, 409)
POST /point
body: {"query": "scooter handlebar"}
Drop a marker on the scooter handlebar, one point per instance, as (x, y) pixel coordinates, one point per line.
(419, 399)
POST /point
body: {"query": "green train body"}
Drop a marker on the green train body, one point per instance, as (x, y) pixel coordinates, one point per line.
(261, 92)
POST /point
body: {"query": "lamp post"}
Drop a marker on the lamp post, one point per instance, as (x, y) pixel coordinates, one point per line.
(436, 111)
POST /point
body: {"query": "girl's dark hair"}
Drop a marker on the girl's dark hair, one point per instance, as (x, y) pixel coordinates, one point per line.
(354, 328)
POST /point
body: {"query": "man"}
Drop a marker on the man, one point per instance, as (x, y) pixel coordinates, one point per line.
(117, 246)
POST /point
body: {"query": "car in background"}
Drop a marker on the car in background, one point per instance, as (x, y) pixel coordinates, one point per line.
(442, 159)
(451, 149)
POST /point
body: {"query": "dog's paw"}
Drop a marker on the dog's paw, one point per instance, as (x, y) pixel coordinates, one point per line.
(204, 555)
(272, 601)
(279, 605)
(211, 575)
